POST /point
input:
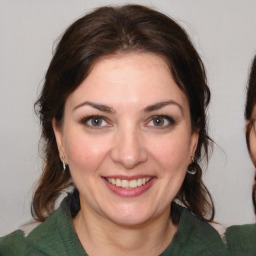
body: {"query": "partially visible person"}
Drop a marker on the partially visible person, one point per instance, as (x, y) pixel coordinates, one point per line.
(250, 116)
(241, 240)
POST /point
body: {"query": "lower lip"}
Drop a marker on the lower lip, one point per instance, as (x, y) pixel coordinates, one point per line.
(131, 192)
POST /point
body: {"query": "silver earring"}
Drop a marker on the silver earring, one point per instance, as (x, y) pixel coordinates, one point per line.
(63, 163)
(190, 169)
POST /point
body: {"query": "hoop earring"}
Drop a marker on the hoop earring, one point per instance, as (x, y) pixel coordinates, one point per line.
(190, 169)
(63, 163)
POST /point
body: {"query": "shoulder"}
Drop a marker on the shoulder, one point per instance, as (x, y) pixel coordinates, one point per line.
(203, 231)
(197, 237)
(35, 239)
(241, 240)
(13, 244)
(55, 236)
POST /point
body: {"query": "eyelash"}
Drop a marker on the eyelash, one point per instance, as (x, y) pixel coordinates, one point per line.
(165, 118)
(169, 119)
(85, 121)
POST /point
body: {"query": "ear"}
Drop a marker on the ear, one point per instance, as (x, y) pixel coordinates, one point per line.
(59, 137)
(193, 143)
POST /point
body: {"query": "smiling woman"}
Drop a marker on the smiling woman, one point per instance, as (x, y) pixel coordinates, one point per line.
(123, 115)
(118, 153)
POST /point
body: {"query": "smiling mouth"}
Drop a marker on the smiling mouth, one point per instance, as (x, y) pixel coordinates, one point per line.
(128, 184)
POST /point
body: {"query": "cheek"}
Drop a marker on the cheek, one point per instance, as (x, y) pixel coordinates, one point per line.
(84, 152)
(252, 140)
(173, 152)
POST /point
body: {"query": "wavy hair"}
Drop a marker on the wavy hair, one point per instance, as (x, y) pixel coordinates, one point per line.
(107, 31)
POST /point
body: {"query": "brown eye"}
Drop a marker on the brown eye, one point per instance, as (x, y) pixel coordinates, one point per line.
(96, 121)
(161, 121)
(158, 121)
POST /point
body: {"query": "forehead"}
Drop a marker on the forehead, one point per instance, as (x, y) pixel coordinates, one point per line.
(129, 78)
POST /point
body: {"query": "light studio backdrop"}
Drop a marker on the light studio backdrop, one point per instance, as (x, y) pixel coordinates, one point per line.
(223, 32)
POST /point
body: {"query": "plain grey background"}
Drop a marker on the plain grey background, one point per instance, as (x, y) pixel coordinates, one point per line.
(223, 32)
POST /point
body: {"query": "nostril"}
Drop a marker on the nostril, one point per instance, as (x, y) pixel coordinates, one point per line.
(128, 149)
(129, 159)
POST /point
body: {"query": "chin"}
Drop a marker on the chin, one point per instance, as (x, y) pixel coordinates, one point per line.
(130, 218)
(130, 221)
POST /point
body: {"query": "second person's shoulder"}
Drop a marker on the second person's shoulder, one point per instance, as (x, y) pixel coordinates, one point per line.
(241, 240)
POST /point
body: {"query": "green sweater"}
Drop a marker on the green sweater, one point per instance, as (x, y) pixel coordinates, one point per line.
(56, 236)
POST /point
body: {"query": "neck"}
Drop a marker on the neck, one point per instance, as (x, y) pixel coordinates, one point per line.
(149, 238)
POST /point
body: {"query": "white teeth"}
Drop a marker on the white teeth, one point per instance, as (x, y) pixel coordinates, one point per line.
(128, 184)
(118, 183)
(125, 184)
(133, 184)
(139, 182)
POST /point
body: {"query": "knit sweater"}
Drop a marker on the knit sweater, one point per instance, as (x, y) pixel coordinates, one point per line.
(57, 237)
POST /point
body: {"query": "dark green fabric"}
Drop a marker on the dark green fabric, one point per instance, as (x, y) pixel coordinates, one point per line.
(13, 244)
(241, 240)
(54, 237)
(57, 237)
(195, 237)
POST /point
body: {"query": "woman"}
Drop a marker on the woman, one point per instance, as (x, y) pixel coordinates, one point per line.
(242, 239)
(250, 116)
(123, 115)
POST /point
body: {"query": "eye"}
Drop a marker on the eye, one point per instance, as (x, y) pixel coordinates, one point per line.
(161, 121)
(95, 121)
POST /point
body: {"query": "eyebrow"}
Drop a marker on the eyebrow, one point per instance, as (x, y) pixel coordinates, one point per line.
(162, 104)
(100, 107)
(149, 108)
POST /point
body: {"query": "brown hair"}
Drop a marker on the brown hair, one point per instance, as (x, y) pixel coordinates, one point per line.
(250, 104)
(107, 31)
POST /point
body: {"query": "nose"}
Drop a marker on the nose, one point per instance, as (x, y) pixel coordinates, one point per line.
(129, 149)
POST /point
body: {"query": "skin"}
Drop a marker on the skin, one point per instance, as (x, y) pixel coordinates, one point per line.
(130, 139)
(252, 140)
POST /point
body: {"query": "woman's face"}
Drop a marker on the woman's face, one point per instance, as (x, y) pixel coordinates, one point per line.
(127, 138)
(252, 139)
